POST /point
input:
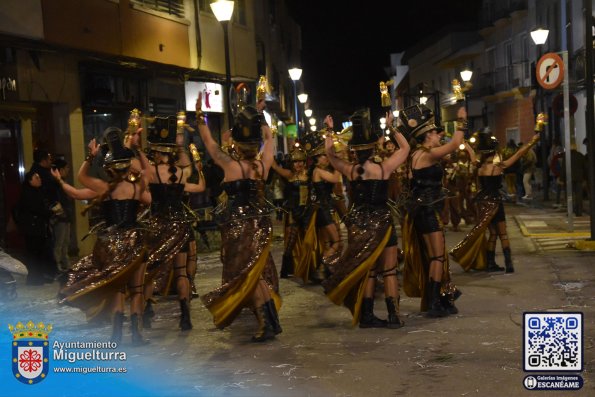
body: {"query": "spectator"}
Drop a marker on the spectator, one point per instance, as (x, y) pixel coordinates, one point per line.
(62, 221)
(577, 171)
(528, 168)
(33, 218)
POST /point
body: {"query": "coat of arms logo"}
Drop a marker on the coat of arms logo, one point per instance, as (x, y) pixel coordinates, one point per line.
(30, 351)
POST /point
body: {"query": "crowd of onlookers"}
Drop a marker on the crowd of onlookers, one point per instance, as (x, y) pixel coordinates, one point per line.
(526, 174)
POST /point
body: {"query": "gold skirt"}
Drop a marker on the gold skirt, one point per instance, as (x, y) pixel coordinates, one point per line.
(93, 281)
(367, 233)
(246, 258)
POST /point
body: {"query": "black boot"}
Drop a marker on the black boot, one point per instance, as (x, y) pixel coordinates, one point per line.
(287, 266)
(265, 328)
(435, 306)
(367, 319)
(185, 323)
(274, 316)
(508, 260)
(448, 303)
(148, 314)
(117, 322)
(492, 265)
(137, 337)
(392, 306)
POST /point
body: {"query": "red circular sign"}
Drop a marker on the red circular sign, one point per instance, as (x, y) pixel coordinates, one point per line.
(550, 71)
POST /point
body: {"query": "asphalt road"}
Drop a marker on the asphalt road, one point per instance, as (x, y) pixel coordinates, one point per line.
(478, 352)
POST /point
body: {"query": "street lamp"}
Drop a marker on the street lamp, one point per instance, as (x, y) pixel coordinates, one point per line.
(539, 37)
(466, 75)
(308, 112)
(303, 98)
(223, 10)
(295, 74)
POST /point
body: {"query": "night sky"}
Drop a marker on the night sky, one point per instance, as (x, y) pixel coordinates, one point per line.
(346, 45)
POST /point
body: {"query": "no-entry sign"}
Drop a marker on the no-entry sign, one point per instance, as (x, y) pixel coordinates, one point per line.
(550, 71)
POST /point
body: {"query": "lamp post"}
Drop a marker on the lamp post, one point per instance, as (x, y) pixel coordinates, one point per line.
(308, 112)
(539, 37)
(223, 10)
(295, 74)
(466, 75)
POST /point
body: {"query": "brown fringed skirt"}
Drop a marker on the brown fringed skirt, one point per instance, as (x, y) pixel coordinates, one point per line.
(246, 258)
(368, 231)
(93, 281)
(470, 252)
(166, 238)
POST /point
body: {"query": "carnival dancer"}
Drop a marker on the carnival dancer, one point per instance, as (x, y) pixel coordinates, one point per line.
(372, 240)
(249, 276)
(322, 182)
(426, 272)
(473, 252)
(99, 282)
(300, 231)
(169, 231)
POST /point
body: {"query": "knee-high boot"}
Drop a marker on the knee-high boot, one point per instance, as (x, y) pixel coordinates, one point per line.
(367, 319)
(392, 306)
(265, 329)
(492, 265)
(435, 306)
(286, 265)
(185, 322)
(508, 260)
(274, 316)
(117, 323)
(137, 337)
(148, 314)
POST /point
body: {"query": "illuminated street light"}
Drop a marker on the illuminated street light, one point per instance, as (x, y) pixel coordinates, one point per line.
(223, 10)
(466, 75)
(303, 98)
(295, 74)
(539, 36)
(308, 112)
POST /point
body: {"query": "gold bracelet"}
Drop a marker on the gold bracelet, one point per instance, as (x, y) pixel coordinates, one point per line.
(461, 125)
(200, 118)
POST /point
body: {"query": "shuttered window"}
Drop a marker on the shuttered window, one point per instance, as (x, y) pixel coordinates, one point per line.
(171, 7)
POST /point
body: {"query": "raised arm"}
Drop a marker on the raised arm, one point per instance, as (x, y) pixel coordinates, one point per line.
(284, 172)
(95, 184)
(71, 191)
(457, 137)
(219, 157)
(339, 164)
(472, 155)
(332, 177)
(399, 156)
(267, 148)
(521, 152)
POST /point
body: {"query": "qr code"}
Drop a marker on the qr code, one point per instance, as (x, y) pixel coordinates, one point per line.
(553, 341)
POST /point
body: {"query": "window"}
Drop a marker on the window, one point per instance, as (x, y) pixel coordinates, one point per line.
(513, 133)
(205, 6)
(171, 7)
(239, 12)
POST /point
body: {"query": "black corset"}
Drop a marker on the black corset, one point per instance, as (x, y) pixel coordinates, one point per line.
(120, 212)
(369, 192)
(243, 192)
(166, 198)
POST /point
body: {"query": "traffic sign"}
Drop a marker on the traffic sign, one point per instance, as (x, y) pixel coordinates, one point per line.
(550, 71)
